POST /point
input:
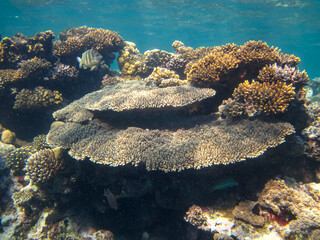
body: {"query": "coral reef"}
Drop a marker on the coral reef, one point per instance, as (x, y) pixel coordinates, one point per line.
(73, 42)
(6, 76)
(20, 47)
(157, 58)
(8, 137)
(178, 65)
(16, 159)
(42, 165)
(38, 98)
(269, 98)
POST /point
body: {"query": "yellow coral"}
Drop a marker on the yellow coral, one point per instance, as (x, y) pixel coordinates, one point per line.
(6, 76)
(37, 98)
(269, 98)
(159, 74)
(213, 69)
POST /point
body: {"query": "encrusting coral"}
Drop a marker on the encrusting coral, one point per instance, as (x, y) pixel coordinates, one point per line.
(269, 98)
(36, 99)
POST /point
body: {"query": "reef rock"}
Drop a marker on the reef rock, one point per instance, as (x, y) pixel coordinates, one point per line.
(130, 122)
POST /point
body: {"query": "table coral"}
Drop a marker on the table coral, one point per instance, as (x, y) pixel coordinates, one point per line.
(269, 98)
(37, 98)
(165, 140)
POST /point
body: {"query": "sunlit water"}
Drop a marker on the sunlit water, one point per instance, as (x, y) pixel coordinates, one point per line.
(293, 26)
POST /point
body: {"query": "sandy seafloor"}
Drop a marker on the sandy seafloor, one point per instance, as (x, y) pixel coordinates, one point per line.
(185, 120)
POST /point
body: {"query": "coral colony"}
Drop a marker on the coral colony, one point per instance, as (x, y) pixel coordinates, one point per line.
(216, 142)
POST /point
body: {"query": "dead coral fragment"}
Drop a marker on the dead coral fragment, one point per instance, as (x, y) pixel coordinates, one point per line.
(269, 98)
(213, 69)
(37, 98)
(244, 211)
(42, 165)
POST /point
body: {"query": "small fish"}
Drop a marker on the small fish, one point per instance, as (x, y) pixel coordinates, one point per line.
(225, 183)
(112, 201)
(90, 59)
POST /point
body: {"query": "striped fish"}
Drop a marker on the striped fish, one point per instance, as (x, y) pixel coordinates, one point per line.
(90, 59)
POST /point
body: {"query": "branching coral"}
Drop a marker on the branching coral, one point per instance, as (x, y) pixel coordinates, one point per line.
(36, 99)
(213, 70)
(269, 98)
(42, 165)
(6, 76)
(75, 42)
(257, 54)
(160, 74)
(32, 69)
(17, 158)
(290, 60)
(178, 65)
(157, 58)
(289, 75)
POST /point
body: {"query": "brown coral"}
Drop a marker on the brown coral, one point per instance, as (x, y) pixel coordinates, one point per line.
(20, 47)
(37, 98)
(257, 54)
(269, 98)
(42, 165)
(213, 70)
(290, 60)
(32, 69)
(157, 58)
(275, 73)
(77, 41)
(6, 76)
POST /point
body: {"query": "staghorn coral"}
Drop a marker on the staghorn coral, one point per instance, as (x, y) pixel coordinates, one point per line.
(32, 69)
(157, 58)
(257, 54)
(43, 165)
(289, 75)
(269, 98)
(132, 63)
(160, 74)
(20, 47)
(38, 98)
(213, 70)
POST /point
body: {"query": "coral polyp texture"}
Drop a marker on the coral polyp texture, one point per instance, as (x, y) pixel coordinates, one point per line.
(166, 140)
(36, 99)
(160, 75)
(269, 98)
(42, 165)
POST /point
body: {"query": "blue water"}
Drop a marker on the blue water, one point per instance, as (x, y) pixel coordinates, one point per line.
(293, 26)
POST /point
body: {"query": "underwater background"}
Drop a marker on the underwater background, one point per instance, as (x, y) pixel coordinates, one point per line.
(159, 120)
(293, 26)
